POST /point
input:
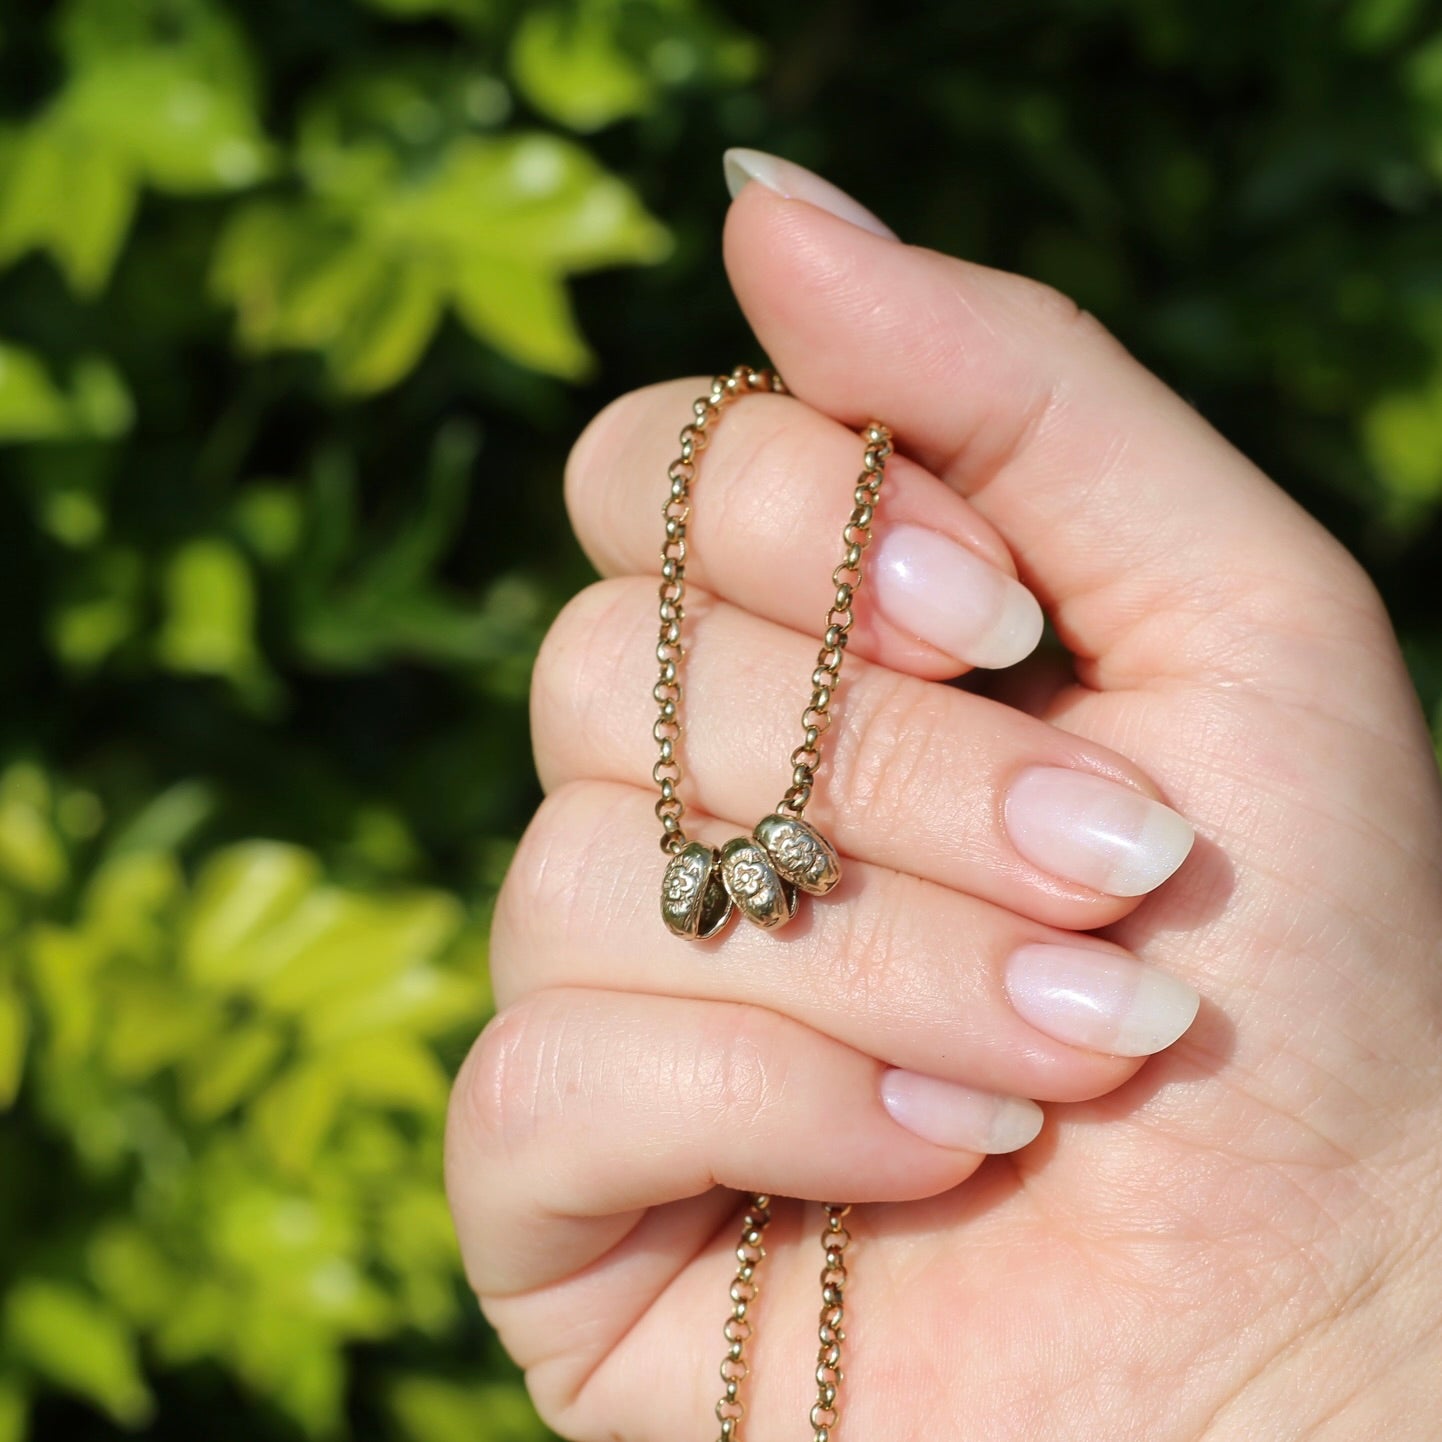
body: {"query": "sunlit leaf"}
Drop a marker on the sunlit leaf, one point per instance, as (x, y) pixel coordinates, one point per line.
(433, 1409)
(230, 1070)
(14, 1036)
(32, 855)
(524, 312)
(242, 892)
(570, 66)
(14, 1409)
(210, 612)
(35, 407)
(77, 1343)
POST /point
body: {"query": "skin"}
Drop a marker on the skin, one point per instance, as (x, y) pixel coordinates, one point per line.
(1235, 1239)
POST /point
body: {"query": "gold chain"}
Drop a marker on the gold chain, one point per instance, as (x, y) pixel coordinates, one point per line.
(846, 578)
(835, 1239)
(760, 874)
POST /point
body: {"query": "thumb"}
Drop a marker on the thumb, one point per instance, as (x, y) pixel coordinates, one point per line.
(1158, 550)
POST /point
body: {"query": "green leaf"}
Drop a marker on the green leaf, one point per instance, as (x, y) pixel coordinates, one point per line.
(1403, 437)
(14, 1409)
(14, 1035)
(32, 855)
(525, 313)
(61, 192)
(231, 1070)
(241, 894)
(151, 1024)
(78, 1344)
(210, 612)
(354, 944)
(432, 1409)
(33, 407)
(493, 227)
(568, 63)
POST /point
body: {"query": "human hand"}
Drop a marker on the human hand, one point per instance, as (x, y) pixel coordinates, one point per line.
(1247, 1247)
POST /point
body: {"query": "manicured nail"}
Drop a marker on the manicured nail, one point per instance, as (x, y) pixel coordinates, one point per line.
(941, 592)
(1099, 999)
(795, 182)
(1097, 832)
(958, 1116)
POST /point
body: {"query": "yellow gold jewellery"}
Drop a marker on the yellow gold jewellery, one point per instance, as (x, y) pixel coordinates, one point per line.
(758, 875)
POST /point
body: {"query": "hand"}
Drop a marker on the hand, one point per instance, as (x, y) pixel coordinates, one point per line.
(1239, 1242)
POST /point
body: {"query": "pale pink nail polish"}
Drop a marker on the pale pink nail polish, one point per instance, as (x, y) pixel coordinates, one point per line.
(1098, 999)
(795, 182)
(1087, 829)
(940, 592)
(951, 1115)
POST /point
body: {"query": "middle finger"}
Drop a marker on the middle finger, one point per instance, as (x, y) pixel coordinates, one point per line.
(916, 777)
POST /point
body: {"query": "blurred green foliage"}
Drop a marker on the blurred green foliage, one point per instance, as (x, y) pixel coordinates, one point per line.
(297, 321)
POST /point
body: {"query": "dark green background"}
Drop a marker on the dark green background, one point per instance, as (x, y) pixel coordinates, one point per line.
(301, 305)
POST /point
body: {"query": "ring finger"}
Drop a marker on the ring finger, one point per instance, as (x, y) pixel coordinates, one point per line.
(909, 972)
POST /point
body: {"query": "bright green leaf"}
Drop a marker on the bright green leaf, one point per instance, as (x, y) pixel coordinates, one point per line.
(568, 63)
(210, 612)
(366, 942)
(14, 1409)
(242, 893)
(79, 1344)
(14, 1034)
(33, 407)
(230, 1070)
(432, 1409)
(524, 313)
(151, 1023)
(1403, 437)
(32, 855)
(63, 193)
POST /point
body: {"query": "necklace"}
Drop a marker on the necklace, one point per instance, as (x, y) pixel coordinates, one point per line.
(758, 875)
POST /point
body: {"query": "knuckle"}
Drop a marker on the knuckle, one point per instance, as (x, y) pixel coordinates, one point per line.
(1054, 309)
(583, 479)
(563, 882)
(496, 1101)
(886, 741)
(741, 1066)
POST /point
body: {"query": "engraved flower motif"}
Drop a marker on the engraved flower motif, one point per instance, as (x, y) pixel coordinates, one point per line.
(748, 877)
(682, 885)
(801, 856)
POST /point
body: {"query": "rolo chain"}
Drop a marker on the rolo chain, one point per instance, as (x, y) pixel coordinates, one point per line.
(759, 875)
(835, 1239)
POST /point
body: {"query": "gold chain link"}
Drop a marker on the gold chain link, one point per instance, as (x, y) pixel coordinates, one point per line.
(846, 578)
(805, 759)
(677, 512)
(835, 1239)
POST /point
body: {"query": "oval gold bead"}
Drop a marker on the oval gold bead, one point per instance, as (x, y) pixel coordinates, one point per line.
(800, 853)
(760, 894)
(694, 903)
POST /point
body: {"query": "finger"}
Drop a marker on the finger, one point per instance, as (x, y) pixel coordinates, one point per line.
(917, 777)
(578, 1110)
(1157, 549)
(772, 494)
(914, 974)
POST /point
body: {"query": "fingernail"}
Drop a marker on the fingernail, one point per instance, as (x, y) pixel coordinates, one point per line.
(958, 1116)
(1099, 999)
(941, 592)
(1087, 829)
(795, 182)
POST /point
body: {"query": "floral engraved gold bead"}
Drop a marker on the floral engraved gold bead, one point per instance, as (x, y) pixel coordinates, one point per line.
(800, 853)
(760, 894)
(694, 903)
